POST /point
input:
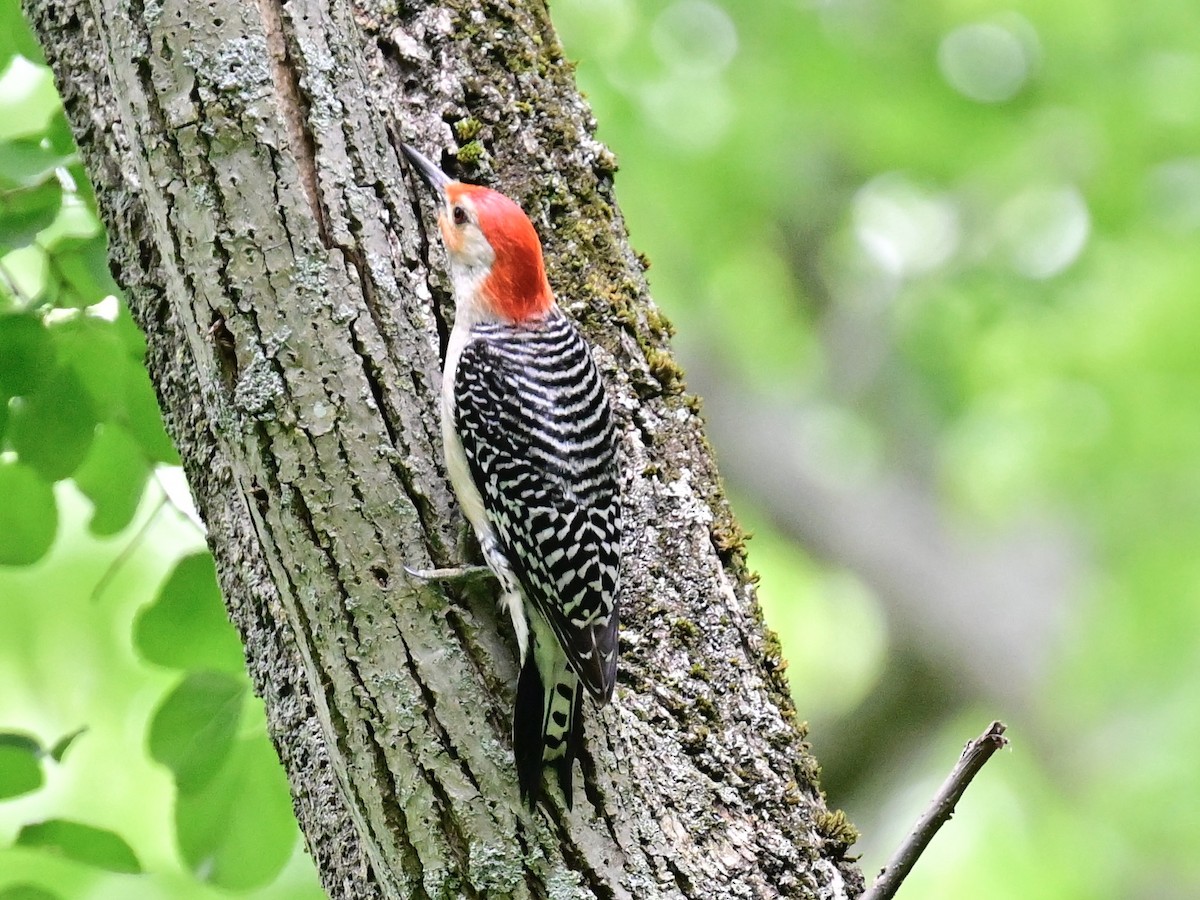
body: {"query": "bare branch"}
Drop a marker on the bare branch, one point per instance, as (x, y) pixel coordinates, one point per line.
(939, 811)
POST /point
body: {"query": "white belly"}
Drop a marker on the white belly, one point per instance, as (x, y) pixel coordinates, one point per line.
(469, 497)
(456, 460)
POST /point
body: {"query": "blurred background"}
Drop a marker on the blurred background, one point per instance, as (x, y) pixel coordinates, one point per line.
(935, 272)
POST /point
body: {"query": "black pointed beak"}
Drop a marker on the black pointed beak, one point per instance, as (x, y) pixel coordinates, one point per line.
(430, 174)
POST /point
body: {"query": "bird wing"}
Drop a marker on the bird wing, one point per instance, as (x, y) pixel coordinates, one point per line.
(539, 439)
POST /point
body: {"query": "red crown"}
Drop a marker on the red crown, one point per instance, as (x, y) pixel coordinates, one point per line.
(516, 288)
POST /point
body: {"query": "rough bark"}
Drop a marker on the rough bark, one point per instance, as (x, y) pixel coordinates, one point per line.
(274, 250)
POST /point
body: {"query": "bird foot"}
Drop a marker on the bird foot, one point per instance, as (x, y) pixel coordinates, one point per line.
(462, 573)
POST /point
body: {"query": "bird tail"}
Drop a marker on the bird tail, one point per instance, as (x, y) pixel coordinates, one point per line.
(547, 722)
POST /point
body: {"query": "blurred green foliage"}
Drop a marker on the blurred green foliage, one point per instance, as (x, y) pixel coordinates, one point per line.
(126, 746)
(134, 759)
(1001, 204)
(75, 397)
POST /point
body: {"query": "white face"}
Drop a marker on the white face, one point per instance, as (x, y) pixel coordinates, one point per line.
(470, 256)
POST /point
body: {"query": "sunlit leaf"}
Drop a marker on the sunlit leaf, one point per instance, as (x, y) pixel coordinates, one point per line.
(92, 347)
(28, 100)
(64, 743)
(27, 163)
(143, 418)
(28, 515)
(21, 741)
(26, 211)
(82, 265)
(15, 38)
(27, 277)
(26, 354)
(75, 221)
(52, 428)
(239, 831)
(81, 843)
(112, 476)
(20, 765)
(187, 627)
(26, 892)
(59, 134)
(193, 731)
(130, 335)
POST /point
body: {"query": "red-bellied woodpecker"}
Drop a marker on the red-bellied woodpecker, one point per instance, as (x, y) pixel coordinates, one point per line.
(531, 451)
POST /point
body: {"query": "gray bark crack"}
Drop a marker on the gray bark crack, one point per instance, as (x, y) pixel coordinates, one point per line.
(293, 108)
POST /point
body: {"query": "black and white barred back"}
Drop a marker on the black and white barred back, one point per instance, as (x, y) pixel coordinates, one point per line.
(539, 440)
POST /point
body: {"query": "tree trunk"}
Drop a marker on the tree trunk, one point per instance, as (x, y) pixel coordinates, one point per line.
(275, 252)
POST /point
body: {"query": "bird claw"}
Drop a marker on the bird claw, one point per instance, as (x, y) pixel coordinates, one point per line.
(463, 573)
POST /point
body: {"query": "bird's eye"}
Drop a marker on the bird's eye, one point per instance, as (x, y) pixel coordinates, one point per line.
(460, 215)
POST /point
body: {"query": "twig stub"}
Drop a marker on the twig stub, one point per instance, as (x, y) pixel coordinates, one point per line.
(939, 811)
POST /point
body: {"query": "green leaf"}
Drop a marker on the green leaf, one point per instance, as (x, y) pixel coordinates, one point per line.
(21, 741)
(130, 335)
(52, 429)
(81, 843)
(15, 37)
(64, 743)
(28, 515)
(193, 730)
(75, 221)
(143, 418)
(26, 892)
(26, 354)
(82, 265)
(113, 476)
(27, 277)
(3, 418)
(27, 163)
(20, 765)
(59, 134)
(239, 831)
(187, 627)
(92, 347)
(26, 211)
(28, 100)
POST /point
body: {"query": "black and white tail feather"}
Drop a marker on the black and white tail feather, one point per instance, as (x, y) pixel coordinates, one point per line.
(538, 436)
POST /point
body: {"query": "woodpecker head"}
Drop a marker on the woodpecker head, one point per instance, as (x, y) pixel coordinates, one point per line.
(495, 255)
